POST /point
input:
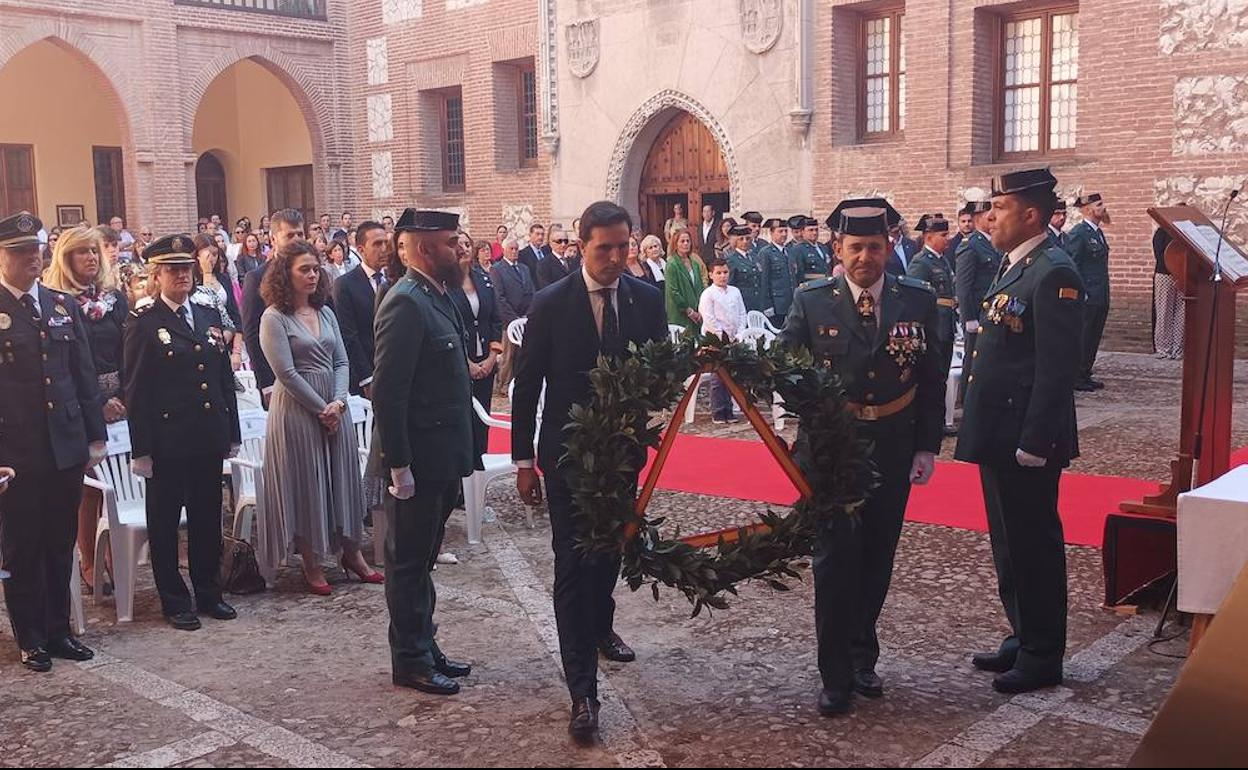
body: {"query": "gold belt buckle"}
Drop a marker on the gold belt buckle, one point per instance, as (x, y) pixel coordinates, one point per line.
(869, 413)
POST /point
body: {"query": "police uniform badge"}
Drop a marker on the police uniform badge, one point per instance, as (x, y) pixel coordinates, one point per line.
(179, 245)
(163, 335)
(25, 224)
(6, 321)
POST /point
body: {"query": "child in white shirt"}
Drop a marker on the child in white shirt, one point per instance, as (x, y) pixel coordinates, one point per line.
(723, 312)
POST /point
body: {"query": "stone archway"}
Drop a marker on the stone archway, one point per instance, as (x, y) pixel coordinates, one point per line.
(624, 173)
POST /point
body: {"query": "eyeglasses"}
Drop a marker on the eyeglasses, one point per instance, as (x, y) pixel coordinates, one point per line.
(560, 240)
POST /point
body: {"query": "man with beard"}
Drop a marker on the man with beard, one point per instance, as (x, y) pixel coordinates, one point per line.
(1057, 234)
(1019, 427)
(1087, 246)
(422, 402)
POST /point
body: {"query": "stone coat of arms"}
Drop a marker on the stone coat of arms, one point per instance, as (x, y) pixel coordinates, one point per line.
(583, 47)
(761, 21)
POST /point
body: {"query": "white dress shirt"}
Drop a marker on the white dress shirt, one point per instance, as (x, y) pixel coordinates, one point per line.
(371, 274)
(175, 306)
(1023, 249)
(722, 311)
(877, 292)
(17, 293)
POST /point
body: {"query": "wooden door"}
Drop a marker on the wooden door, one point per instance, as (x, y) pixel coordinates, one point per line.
(110, 184)
(210, 188)
(684, 164)
(290, 187)
(17, 179)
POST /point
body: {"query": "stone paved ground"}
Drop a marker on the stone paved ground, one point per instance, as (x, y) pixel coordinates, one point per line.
(303, 680)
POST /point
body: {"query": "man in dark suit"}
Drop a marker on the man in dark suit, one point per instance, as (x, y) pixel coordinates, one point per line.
(51, 428)
(599, 310)
(1087, 246)
(423, 408)
(558, 265)
(537, 250)
(285, 226)
(183, 413)
(514, 288)
(1019, 426)
(903, 250)
(874, 331)
(355, 293)
(707, 233)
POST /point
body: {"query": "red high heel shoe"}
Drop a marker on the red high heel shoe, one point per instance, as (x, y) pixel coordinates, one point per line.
(321, 590)
(376, 578)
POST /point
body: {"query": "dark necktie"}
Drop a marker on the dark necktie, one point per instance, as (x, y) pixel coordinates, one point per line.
(866, 313)
(611, 342)
(1005, 268)
(29, 302)
(185, 314)
(379, 279)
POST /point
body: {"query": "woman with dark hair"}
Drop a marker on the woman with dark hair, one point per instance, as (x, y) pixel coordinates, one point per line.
(722, 241)
(483, 256)
(633, 264)
(250, 257)
(336, 259)
(312, 490)
(496, 248)
(215, 289)
(474, 298)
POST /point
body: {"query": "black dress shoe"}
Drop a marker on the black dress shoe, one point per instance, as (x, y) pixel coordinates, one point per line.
(37, 660)
(431, 681)
(218, 610)
(1084, 386)
(584, 723)
(184, 621)
(835, 703)
(997, 662)
(1096, 384)
(449, 668)
(70, 648)
(614, 649)
(1014, 681)
(867, 684)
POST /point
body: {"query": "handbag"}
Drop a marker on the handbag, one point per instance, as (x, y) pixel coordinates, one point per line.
(240, 572)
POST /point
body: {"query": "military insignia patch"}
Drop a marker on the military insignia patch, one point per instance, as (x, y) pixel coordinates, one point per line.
(60, 310)
(5, 322)
(179, 244)
(25, 224)
(1068, 293)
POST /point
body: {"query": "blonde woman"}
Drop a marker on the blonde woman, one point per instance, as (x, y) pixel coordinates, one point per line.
(80, 269)
(653, 260)
(686, 278)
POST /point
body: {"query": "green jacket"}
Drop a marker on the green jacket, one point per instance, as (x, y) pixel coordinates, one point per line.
(422, 394)
(683, 291)
(1089, 250)
(931, 268)
(745, 273)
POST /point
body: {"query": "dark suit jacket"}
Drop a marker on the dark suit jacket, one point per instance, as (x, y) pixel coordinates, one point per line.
(253, 308)
(706, 248)
(515, 289)
(353, 304)
(528, 257)
(486, 326)
(894, 266)
(561, 346)
(50, 408)
(550, 270)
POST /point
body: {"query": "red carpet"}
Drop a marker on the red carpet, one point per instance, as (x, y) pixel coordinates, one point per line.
(744, 470)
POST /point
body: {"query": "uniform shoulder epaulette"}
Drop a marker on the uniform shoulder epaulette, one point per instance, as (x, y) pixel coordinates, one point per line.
(915, 283)
(1058, 256)
(818, 283)
(139, 310)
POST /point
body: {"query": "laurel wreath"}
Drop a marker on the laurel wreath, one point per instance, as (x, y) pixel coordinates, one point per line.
(608, 439)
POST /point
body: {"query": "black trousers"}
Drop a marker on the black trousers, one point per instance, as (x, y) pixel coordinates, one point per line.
(1094, 317)
(193, 483)
(1030, 557)
(417, 526)
(854, 568)
(584, 609)
(38, 529)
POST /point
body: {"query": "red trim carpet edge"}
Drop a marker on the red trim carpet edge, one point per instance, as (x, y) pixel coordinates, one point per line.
(744, 470)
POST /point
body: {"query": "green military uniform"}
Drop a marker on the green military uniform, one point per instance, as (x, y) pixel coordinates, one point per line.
(976, 264)
(745, 273)
(895, 377)
(1089, 250)
(778, 280)
(808, 260)
(1020, 396)
(932, 269)
(422, 402)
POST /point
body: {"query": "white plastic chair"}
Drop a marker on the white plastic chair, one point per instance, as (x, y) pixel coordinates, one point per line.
(515, 331)
(674, 332)
(496, 466)
(246, 484)
(756, 319)
(123, 530)
(953, 381)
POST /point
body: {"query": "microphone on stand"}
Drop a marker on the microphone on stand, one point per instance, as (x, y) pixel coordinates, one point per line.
(1217, 254)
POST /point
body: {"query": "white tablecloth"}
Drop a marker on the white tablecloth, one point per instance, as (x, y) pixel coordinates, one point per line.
(1213, 540)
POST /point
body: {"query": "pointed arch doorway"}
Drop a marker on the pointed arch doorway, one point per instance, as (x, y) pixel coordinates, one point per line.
(685, 165)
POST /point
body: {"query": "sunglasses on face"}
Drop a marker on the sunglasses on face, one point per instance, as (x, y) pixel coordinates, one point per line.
(561, 240)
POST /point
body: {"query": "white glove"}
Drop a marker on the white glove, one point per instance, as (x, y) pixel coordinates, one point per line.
(97, 451)
(142, 467)
(770, 312)
(1028, 460)
(234, 449)
(972, 327)
(404, 485)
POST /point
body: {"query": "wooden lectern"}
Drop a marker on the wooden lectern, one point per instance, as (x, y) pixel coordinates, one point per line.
(1139, 539)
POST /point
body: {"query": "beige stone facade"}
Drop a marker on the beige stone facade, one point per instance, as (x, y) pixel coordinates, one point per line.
(778, 85)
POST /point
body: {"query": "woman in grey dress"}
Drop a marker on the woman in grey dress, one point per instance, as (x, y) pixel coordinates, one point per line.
(312, 493)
